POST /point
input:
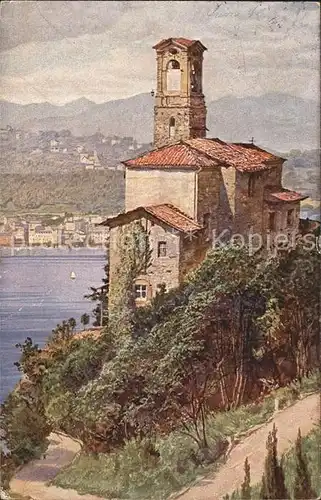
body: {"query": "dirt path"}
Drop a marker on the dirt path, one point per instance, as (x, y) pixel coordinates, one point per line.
(32, 478)
(304, 414)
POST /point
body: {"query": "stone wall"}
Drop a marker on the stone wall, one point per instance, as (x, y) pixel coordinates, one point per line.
(281, 214)
(193, 250)
(248, 206)
(162, 269)
(250, 209)
(190, 122)
(113, 262)
(208, 192)
(146, 187)
(226, 208)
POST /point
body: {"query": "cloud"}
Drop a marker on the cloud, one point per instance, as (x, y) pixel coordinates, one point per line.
(103, 50)
(34, 21)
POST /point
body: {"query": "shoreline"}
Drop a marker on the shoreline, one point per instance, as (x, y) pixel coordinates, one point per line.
(42, 251)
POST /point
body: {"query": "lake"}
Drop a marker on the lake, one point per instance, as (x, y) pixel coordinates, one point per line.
(36, 293)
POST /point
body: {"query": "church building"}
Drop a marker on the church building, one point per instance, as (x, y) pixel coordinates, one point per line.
(190, 189)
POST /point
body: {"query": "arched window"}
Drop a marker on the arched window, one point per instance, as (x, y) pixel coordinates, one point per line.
(173, 75)
(172, 127)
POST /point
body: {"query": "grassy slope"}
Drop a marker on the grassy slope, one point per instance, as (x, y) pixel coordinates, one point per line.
(127, 473)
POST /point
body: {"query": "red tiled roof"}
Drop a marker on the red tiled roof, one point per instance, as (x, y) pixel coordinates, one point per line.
(284, 195)
(166, 213)
(181, 41)
(173, 217)
(208, 153)
(243, 157)
(176, 155)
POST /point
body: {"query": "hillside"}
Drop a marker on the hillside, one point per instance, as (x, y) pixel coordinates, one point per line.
(99, 192)
(274, 120)
(301, 172)
(144, 394)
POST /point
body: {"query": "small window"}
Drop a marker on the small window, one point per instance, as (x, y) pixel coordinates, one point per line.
(251, 185)
(172, 127)
(290, 217)
(161, 250)
(140, 291)
(271, 221)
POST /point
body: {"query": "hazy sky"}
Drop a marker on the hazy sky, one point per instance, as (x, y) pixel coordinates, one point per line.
(59, 51)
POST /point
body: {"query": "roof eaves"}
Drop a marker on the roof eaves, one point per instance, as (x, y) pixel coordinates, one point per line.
(148, 210)
(125, 162)
(177, 212)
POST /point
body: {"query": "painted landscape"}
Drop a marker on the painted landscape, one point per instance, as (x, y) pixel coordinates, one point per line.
(160, 250)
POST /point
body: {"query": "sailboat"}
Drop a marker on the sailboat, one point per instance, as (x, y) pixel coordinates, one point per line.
(72, 275)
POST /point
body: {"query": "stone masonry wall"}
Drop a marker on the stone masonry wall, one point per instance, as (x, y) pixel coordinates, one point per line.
(190, 122)
(208, 192)
(193, 250)
(226, 208)
(162, 269)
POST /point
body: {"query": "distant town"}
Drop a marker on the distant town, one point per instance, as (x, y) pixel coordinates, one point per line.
(45, 148)
(54, 231)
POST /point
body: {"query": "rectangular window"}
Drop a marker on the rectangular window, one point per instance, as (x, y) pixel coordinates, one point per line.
(161, 249)
(290, 217)
(271, 221)
(140, 291)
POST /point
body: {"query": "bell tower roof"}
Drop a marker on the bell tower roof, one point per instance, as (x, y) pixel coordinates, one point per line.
(184, 43)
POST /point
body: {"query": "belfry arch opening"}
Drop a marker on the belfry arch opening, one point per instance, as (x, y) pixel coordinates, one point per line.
(196, 77)
(173, 75)
(172, 125)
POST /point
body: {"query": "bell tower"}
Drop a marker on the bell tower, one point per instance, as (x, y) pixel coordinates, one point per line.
(179, 111)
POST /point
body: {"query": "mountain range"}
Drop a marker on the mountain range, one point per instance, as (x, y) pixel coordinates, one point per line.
(277, 121)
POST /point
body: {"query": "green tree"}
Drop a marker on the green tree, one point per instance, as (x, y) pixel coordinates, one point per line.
(134, 257)
(300, 280)
(246, 485)
(29, 352)
(72, 323)
(99, 295)
(302, 482)
(63, 332)
(85, 318)
(290, 324)
(273, 484)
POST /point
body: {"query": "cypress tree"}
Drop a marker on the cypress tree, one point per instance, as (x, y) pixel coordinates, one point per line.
(302, 482)
(246, 485)
(280, 482)
(273, 485)
(263, 492)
